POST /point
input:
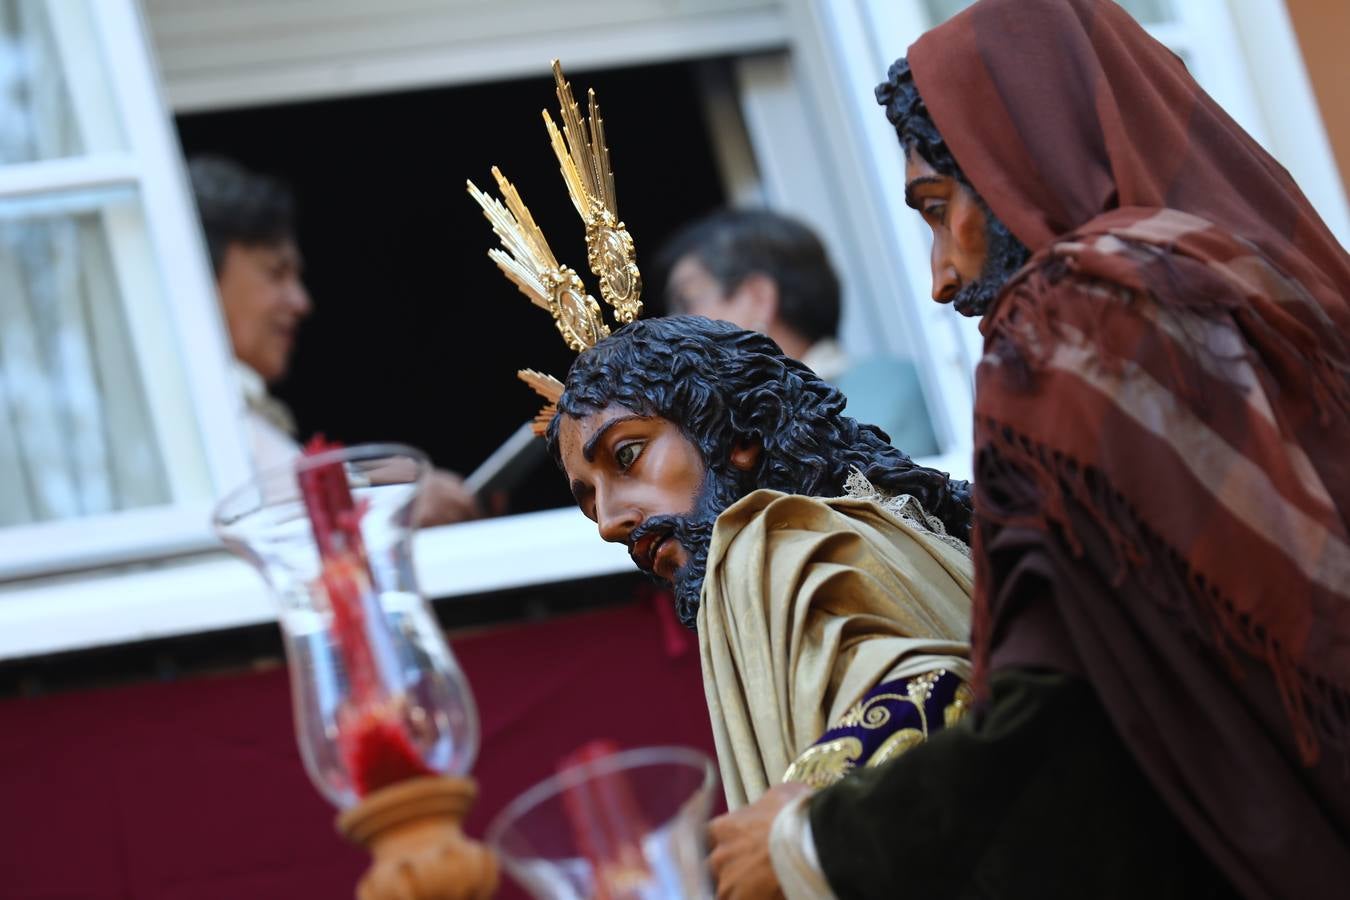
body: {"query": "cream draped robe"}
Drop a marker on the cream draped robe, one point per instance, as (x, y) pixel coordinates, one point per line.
(808, 603)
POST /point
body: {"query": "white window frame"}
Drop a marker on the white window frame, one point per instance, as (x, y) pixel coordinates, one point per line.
(1283, 102)
(221, 55)
(218, 591)
(183, 331)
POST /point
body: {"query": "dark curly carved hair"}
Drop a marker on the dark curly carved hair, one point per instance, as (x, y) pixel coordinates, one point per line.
(913, 125)
(720, 384)
(919, 134)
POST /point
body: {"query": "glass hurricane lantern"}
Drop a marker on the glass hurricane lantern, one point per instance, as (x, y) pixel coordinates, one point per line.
(384, 718)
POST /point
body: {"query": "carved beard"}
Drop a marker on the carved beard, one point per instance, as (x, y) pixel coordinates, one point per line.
(694, 532)
(1005, 255)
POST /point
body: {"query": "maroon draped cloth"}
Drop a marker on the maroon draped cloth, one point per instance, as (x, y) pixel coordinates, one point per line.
(1162, 426)
(194, 789)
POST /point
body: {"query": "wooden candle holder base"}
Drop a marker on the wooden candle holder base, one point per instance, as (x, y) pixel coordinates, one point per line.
(412, 829)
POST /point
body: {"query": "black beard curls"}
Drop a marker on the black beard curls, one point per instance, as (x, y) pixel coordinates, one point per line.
(694, 532)
(1005, 254)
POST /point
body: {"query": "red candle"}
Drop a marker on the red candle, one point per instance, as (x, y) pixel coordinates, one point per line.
(371, 735)
(607, 824)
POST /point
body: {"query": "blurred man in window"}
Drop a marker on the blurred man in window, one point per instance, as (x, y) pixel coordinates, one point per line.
(769, 273)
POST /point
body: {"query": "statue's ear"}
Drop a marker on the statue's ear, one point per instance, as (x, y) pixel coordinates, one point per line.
(745, 452)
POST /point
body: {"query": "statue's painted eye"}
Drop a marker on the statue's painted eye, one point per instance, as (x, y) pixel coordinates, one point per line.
(935, 211)
(627, 454)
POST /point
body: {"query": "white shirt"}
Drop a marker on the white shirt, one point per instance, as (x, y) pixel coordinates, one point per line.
(271, 429)
(827, 359)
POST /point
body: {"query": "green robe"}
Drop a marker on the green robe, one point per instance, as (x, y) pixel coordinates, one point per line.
(1039, 774)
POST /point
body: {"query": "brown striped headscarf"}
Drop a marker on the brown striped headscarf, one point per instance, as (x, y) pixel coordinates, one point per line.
(1162, 426)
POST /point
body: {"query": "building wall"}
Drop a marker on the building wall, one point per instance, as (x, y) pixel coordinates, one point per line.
(1323, 30)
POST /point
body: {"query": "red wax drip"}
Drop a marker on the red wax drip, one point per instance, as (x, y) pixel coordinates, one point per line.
(378, 751)
(371, 735)
(607, 824)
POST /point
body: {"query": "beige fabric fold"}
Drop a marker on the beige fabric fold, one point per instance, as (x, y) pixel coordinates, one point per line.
(808, 603)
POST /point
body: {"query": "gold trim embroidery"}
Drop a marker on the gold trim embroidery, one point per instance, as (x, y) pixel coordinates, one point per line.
(904, 507)
(960, 705)
(869, 714)
(896, 744)
(824, 764)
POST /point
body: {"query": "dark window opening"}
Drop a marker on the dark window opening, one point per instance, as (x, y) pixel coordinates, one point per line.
(415, 336)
